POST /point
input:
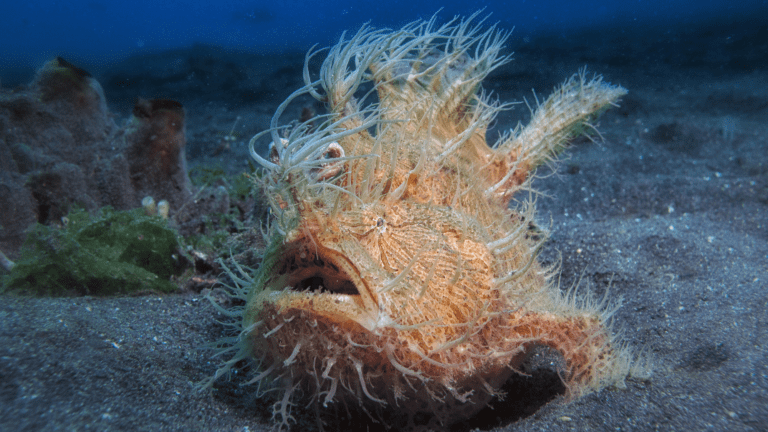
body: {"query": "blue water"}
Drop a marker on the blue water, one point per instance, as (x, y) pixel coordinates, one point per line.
(98, 32)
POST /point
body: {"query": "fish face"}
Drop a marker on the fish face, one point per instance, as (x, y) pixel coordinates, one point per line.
(410, 267)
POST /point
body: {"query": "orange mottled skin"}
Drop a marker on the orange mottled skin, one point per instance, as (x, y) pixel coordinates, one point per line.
(398, 277)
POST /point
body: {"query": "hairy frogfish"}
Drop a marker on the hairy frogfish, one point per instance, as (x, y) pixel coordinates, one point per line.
(397, 275)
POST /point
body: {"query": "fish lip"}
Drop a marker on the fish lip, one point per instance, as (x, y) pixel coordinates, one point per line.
(344, 295)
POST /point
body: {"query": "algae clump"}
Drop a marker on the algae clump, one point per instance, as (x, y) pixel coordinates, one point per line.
(112, 252)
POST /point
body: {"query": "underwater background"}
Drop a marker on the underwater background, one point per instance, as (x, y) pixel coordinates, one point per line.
(97, 33)
(666, 208)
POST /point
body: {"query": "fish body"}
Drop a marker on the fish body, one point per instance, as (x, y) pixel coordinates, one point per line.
(397, 274)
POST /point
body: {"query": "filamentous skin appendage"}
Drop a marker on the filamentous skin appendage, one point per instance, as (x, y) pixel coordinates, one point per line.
(397, 277)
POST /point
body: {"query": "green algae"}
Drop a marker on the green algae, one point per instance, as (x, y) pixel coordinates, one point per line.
(111, 252)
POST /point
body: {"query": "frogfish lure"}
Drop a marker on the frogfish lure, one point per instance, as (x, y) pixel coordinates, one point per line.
(397, 276)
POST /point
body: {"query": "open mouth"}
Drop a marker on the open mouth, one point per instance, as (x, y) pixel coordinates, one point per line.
(324, 284)
(306, 270)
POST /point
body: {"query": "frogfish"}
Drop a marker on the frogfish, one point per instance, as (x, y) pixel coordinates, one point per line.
(401, 271)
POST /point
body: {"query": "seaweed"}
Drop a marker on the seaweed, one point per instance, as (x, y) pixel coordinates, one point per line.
(111, 252)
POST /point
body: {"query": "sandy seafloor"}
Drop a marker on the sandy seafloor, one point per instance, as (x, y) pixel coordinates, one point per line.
(671, 206)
